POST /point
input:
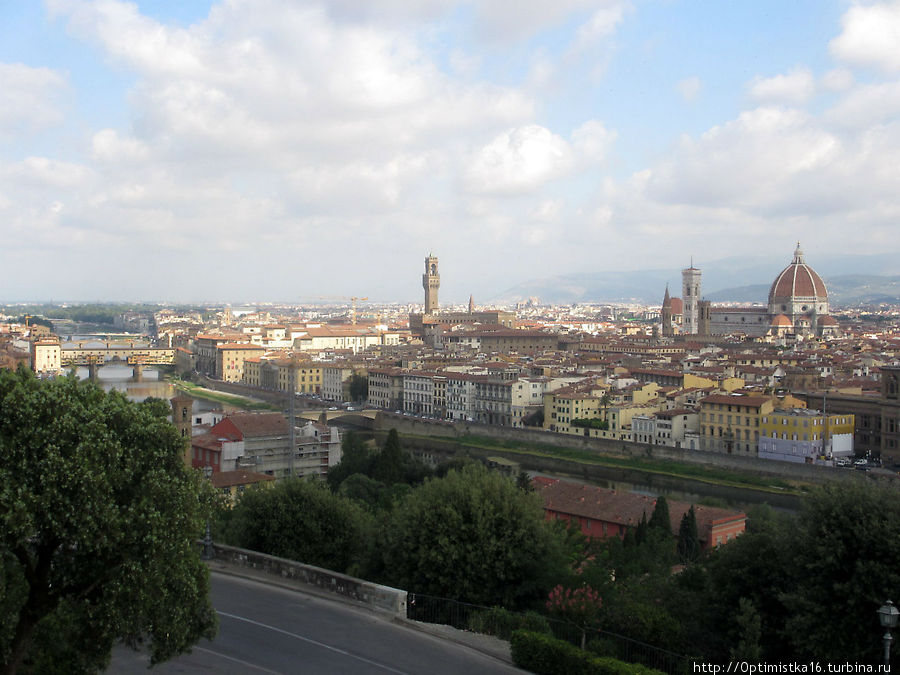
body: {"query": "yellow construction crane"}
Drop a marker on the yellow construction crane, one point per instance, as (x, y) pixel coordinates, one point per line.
(353, 310)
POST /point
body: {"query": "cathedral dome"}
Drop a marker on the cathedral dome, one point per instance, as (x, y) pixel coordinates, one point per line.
(781, 321)
(797, 280)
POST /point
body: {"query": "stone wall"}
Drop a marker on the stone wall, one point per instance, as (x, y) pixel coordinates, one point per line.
(378, 597)
(603, 446)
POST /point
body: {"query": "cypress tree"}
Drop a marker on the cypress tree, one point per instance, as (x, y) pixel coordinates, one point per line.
(660, 517)
(688, 540)
(640, 534)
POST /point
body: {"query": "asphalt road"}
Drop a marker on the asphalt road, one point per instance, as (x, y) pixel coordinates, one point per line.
(266, 629)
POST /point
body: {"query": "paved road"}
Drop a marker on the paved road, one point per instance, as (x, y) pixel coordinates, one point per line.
(266, 629)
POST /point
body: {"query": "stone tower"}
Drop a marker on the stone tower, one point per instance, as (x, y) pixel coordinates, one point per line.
(431, 282)
(182, 408)
(690, 296)
(668, 330)
(704, 317)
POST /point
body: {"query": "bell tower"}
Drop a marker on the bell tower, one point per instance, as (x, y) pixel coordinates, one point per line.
(182, 406)
(431, 282)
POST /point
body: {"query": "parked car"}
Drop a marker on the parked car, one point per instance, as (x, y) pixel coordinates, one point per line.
(861, 462)
(842, 461)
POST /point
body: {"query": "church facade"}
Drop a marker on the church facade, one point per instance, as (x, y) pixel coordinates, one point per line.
(797, 305)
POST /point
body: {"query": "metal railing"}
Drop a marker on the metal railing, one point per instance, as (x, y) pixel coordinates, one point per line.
(502, 623)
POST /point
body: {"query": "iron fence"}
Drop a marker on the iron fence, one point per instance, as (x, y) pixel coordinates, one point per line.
(502, 623)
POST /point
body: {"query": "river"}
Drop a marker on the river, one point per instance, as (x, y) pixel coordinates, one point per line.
(119, 378)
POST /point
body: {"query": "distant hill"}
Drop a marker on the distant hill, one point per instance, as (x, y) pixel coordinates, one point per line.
(852, 289)
(730, 279)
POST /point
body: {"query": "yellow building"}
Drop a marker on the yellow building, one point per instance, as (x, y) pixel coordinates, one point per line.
(731, 423)
(230, 359)
(728, 384)
(275, 373)
(808, 436)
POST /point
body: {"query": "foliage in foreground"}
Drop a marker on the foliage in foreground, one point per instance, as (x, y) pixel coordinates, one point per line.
(544, 655)
(99, 515)
(474, 536)
(302, 520)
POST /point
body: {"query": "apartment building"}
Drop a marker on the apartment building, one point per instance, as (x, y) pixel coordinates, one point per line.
(460, 395)
(230, 358)
(46, 356)
(730, 423)
(386, 388)
(806, 436)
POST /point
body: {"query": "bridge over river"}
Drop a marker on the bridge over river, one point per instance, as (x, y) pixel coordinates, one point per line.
(97, 354)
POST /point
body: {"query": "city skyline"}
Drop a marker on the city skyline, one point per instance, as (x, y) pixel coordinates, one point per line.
(173, 151)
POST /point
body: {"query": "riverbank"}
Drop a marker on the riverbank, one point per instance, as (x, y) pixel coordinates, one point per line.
(722, 488)
(196, 391)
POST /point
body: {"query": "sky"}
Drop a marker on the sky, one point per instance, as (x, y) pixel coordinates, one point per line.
(255, 150)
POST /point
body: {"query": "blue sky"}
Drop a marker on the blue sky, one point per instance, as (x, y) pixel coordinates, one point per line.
(261, 150)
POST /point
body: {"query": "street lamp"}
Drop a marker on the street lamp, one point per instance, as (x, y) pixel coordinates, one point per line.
(888, 615)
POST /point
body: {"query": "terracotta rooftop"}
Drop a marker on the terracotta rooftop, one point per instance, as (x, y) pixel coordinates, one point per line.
(623, 508)
(225, 479)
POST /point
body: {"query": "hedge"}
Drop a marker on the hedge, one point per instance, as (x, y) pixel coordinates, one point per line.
(544, 655)
(500, 622)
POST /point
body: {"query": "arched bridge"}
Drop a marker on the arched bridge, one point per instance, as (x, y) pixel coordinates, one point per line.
(365, 418)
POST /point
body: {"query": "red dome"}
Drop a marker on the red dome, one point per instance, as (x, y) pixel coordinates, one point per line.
(827, 321)
(798, 280)
(781, 321)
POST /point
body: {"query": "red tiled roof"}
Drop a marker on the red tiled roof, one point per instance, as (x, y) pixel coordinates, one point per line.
(623, 508)
(225, 479)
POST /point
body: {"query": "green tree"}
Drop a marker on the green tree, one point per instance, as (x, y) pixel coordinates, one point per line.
(474, 536)
(304, 521)
(355, 458)
(359, 388)
(660, 516)
(749, 626)
(99, 517)
(389, 463)
(844, 553)
(688, 546)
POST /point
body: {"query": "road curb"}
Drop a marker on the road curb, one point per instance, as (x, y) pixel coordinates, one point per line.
(488, 645)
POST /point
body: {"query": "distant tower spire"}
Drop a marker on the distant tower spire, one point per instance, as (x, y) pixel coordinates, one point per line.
(471, 305)
(666, 315)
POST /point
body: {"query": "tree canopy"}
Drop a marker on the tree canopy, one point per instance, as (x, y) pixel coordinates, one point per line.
(99, 516)
(474, 536)
(302, 520)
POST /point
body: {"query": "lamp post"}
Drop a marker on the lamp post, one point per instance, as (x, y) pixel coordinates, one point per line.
(888, 615)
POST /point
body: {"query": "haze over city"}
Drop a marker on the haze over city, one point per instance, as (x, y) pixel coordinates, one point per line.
(250, 150)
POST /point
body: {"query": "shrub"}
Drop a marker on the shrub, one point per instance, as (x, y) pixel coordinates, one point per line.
(502, 623)
(545, 655)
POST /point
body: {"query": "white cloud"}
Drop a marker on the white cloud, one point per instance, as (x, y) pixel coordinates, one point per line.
(870, 36)
(758, 162)
(591, 141)
(689, 87)
(108, 146)
(795, 87)
(519, 160)
(867, 105)
(837, 79)
(601, 24)
(30, 98)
